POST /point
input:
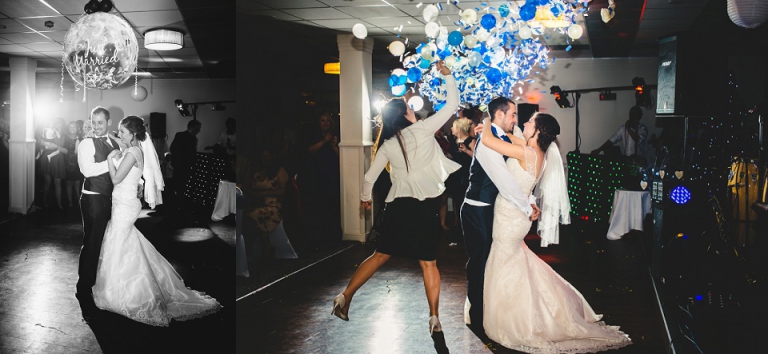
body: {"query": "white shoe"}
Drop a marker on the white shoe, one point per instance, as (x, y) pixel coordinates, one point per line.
(467, 305)
(434, 325)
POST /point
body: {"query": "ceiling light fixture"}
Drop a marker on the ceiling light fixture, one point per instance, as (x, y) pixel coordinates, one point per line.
(163, 39)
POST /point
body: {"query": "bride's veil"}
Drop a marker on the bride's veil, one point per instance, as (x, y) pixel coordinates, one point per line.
(153, 177)
(552, 190)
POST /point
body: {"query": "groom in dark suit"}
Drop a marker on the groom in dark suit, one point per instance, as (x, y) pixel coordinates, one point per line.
(96, 200)
(488, 176)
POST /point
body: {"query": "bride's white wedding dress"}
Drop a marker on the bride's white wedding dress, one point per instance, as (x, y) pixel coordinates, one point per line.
(135, 280)
(527, 306)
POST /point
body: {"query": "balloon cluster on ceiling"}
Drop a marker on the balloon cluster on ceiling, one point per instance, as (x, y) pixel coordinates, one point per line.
(489, 49)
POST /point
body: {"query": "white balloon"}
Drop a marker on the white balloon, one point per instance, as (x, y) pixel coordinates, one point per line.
(469, 16)
(399, 72)
(492, 41)
(397, 48)
(525, 32)
(450, 61)
(399, 90)
(409, 61)
(416, 103)
(470, 41)
(575, 31)
(475, 58)
(498, 55)
(360, 31)
(428, 51)
(430, 13)
(482, 35)
(432, 29)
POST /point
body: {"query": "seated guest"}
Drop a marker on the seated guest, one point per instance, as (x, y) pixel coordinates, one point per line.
(265, 192)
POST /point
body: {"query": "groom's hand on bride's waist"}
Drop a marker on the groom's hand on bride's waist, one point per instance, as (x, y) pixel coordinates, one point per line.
(140, 190)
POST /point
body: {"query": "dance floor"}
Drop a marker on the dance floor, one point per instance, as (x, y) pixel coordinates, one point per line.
(389, 314)
(38, 271)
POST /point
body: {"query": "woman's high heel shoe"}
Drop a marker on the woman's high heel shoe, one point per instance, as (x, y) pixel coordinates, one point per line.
(434, 325)
(338, 304)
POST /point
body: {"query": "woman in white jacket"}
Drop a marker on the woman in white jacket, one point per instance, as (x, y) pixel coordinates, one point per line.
(418, 173)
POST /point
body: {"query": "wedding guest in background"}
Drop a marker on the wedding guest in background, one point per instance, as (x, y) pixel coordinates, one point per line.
(74, 178)
(320, 182)
(184, 153)
(53, 161)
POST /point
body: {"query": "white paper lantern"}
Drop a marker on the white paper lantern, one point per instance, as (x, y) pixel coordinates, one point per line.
(748, 13)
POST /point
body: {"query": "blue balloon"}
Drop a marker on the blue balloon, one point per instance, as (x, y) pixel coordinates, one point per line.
(444, 53)
(504, 10)
(435, 82)
(555, 11)
(455, 38)
(527, 12)
(481, 48)
(439, 105)
(488, 21)
(393, 80)
(414, 74)
(402, 79)
(493, 75)
(424, 64)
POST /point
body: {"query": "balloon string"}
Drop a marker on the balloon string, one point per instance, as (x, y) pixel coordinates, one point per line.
(61, 93)
(136, 80)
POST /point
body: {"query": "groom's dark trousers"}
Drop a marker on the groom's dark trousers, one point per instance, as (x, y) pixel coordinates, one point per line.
(97, 210)
(477, 225)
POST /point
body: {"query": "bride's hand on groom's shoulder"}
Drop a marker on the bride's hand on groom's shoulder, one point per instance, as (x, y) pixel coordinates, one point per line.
(479, 129)
(113, 154)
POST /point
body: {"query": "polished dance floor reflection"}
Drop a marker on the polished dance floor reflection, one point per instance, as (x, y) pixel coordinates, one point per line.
(38, 271)
(389, 314)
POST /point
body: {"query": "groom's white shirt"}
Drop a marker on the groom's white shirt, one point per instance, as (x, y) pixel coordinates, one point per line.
(496, 168)
(86, 162)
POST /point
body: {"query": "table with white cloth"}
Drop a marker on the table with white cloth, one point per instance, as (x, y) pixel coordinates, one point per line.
(629, 210)
(225, 201)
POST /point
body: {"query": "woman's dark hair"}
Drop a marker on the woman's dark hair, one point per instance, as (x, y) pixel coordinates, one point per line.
(393, 121)
(136, 126)
(548, 129)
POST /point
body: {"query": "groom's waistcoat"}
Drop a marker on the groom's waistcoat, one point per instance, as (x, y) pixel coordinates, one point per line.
(481, 188)
(102, 183)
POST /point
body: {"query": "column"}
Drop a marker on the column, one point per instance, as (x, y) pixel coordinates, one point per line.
(355, 86)
(22, 142)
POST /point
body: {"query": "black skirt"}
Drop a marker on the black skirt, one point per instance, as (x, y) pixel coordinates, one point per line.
(409, 228)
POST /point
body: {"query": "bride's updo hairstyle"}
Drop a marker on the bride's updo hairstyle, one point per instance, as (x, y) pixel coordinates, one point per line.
(548, 129)
(136, 126)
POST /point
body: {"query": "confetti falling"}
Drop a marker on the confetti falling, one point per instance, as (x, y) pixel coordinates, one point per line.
(493, 55)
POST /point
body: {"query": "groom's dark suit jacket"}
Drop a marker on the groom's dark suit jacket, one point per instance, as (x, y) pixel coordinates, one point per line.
(101, 184)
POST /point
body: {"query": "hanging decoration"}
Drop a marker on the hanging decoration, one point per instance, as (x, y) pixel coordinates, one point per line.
(748, 13)
(100, 51)
(490, 50)
(139, 94)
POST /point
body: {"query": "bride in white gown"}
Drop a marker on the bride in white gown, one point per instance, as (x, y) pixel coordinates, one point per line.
(528, 306)
(133, 279)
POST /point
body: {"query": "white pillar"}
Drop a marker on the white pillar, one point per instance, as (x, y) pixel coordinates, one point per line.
(355, 85)
(22, 142)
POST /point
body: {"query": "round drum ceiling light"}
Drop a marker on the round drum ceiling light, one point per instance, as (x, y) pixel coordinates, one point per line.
(163, 39)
